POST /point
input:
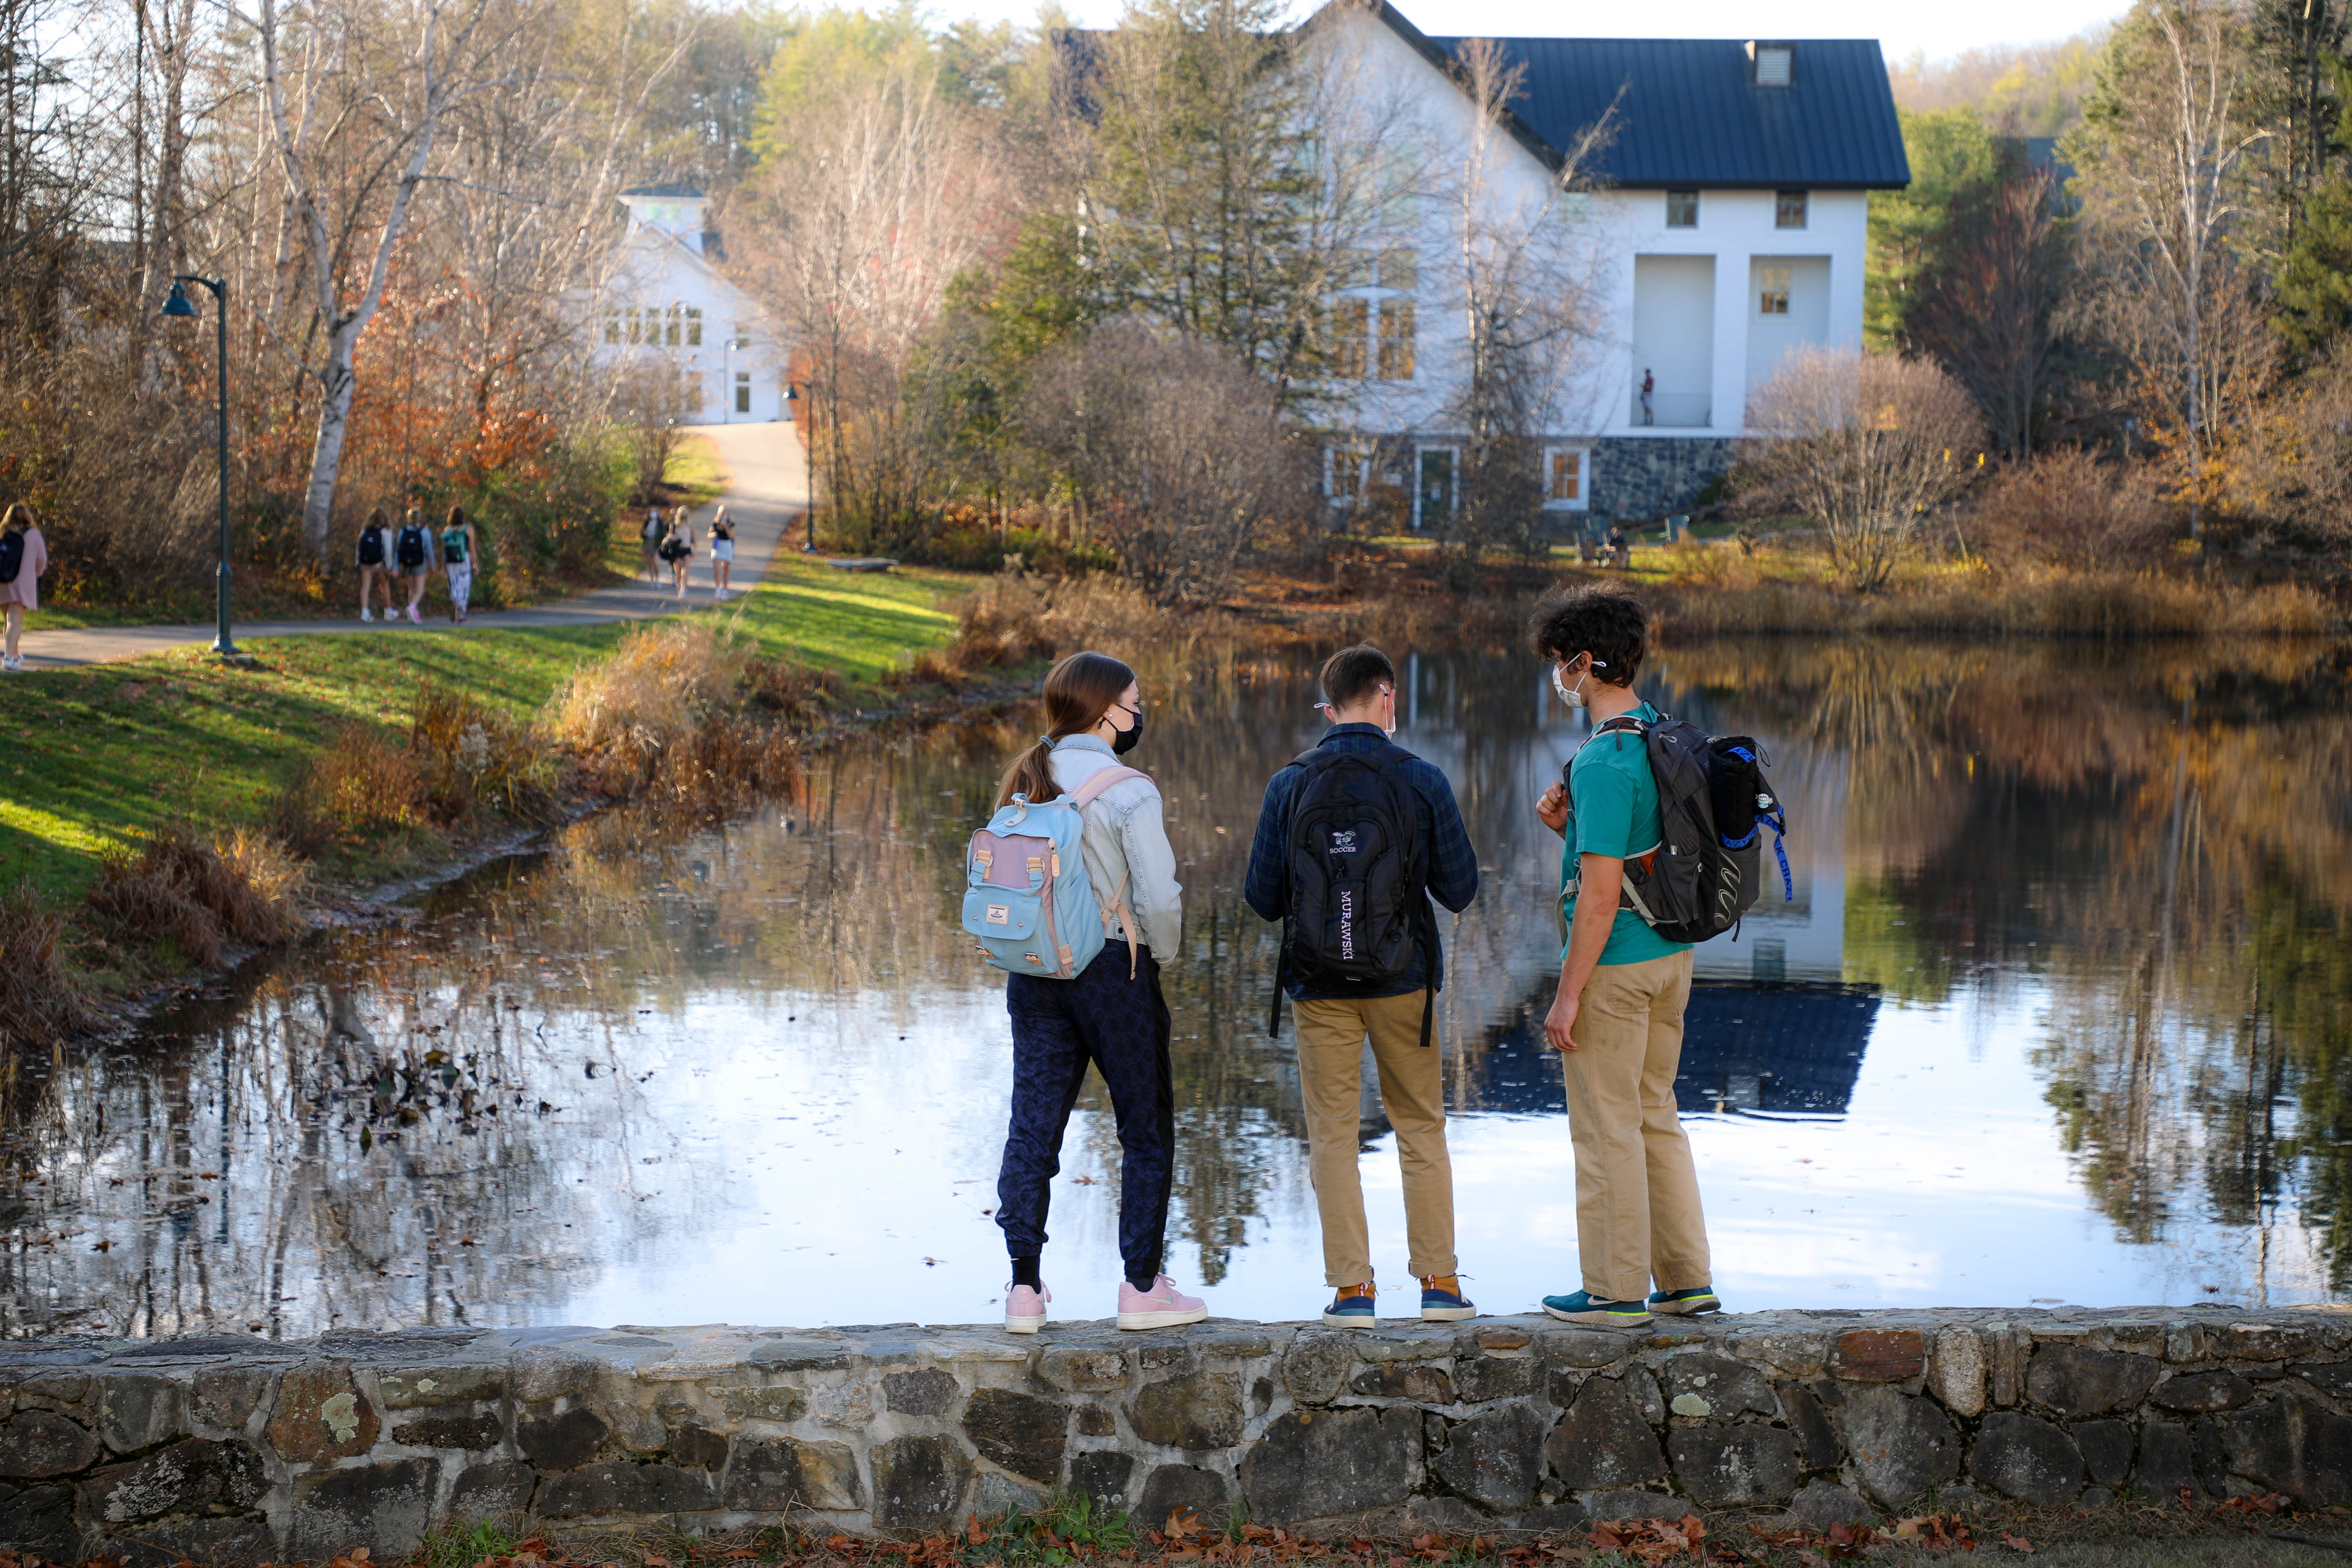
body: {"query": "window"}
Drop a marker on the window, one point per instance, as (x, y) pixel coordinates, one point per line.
(1351, 331)
(635, 327)
(613, 324)
(1350, 467)
(1774, 296)
(1399, 183)
(1773, 63)
(1564, 468)
(694, 326)
(1789, 209)
(742, 336)
(1682, 209)
(1351, 180)
(742, 391)
(1352, 270)
(670, 332)
(1401, 271)
(1396, 340)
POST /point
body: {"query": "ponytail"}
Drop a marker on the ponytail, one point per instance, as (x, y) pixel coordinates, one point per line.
(1078, 691)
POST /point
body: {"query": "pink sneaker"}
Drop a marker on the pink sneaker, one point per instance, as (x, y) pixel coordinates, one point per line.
(1161, 1307)
(413, 618)
(1025, 1309)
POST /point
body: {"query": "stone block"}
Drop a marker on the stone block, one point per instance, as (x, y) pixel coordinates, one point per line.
(1419, 1516)
(1102, 1474)
(1826, 1503)
(2027, 1459)
(1019, 1432)
(1787, 1352)
(1479, 1378)
(928, 1392)
(1198, 1411)
(452, 1429)
(1633, 1502)
(1585, 1348)
(562, 1442)
(1165, 1357)
(2095, 1498)
(1555, 1518)
(193, 1476)
(1603, 1441)
(2293, 1445)
(768, 1474)
(1501, 1337)
(2106, 1450)
(385, 1507)
(38, 1520)
(1714, 1386)
(1817, 1443)
(849, 1405)
(2269, 1341)
(544, 1373)
(320, 1414)
(1901, 1446)
(139, 1410)
(166, 1542)
(226, 1397)
(2332, 1378)
(2077, 1380)
(788, 1354)
(1495, 1459)
(1878, 1355)
(498, 1491)
(1083, 1369)
(1322, 1464)
(2202, 1392)
(779, 1403)
(995, 1494)
(919, 1483)
(1096, 1421)
(1417, 1381)
(425, 1387)
(1956, 1374)
(1644, 1391)
(67, 1391)
(625, 1486)
(42, 1445)
(692, 1447)
(1315, 1368)
(1174, 1488)
(1721, 1465)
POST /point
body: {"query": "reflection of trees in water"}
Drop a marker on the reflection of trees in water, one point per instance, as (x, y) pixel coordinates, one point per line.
(2164, 834)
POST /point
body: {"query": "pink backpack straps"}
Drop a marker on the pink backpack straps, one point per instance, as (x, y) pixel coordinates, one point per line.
(1117, 913)
(1084, 796)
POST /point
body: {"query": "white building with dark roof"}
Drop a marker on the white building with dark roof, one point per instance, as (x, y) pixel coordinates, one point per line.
(669, 300)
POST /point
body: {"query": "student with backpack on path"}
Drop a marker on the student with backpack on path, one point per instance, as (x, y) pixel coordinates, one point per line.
(722, 554)
(649, 542)
(458, 561)
(412, 553)
(1353, 839)
(23, 556)
(374, 562)
(1617, 1020)
(1072, 887)
(677, 548)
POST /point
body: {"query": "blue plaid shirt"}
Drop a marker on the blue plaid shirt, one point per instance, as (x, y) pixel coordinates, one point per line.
(1452, 865)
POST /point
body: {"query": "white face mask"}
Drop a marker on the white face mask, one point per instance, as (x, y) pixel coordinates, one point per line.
(1574, 695)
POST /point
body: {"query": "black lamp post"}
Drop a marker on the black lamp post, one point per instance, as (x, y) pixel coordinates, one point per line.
(180, 305)
(792, 395)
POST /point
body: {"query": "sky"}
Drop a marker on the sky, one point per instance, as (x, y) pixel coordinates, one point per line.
(1936, 31)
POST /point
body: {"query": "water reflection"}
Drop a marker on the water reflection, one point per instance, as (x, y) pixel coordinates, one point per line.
(2057, 1011)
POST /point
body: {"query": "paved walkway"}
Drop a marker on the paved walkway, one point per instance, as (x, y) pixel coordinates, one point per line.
(767, 488)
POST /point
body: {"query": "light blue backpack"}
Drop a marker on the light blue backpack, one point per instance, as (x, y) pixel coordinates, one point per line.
(1027, 901)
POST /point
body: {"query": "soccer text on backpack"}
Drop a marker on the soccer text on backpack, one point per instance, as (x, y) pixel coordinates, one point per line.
(1027, 901)
(1358, 905)
(1714, 803)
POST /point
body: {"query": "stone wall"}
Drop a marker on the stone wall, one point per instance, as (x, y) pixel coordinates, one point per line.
(229, 1450)
(1647, 477)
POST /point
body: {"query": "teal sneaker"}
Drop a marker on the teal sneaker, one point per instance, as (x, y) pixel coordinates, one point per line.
(1442, 1301)
(1352, 1309)
(1584, 1308)
(1687, 1303)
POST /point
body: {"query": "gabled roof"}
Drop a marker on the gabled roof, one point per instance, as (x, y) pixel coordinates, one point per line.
(665, 192)
(1689, 112)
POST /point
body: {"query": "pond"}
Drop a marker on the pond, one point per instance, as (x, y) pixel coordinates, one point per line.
(2060, 1010)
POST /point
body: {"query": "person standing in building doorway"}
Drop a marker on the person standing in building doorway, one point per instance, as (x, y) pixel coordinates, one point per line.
(1649, 390)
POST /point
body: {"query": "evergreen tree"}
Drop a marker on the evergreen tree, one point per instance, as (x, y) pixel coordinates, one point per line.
(2312, 289)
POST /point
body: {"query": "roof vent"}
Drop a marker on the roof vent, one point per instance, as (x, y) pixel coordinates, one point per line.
(1772, 62)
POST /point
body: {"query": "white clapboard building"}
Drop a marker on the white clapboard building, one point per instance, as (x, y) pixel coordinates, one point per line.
(667, 299)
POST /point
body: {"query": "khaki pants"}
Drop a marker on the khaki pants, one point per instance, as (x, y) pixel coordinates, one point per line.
(1637, 1209)
(1412, 1090)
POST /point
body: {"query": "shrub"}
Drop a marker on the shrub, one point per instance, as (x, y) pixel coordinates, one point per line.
(200, 895)
(619, 716)
(40, 1004)
(360, 782)
(2069, 509)
(466, 755)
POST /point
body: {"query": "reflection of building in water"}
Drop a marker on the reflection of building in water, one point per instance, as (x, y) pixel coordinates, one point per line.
(1786, 1048)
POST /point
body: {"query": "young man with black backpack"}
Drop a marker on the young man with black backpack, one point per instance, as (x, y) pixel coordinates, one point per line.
(1354, 839)
(1617, 1020)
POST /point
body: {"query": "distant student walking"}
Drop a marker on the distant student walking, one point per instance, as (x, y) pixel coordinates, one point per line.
(374, 561)
(458, 561)
(23, 556)
(649, 543)
(1617, 1020)
(412, 550)
(722, 552)
(1353, 840)
(677, 548)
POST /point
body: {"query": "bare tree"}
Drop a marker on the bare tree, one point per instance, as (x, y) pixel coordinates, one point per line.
(1866, 445)
(1993, 312)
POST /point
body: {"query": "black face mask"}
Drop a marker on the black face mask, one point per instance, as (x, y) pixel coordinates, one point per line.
(1123, 741)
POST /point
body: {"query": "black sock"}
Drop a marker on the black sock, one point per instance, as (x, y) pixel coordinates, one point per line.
(1025, 1272)
(1144, 1282)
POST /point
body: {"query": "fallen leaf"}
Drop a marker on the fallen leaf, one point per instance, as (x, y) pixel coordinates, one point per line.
(2015, 1543)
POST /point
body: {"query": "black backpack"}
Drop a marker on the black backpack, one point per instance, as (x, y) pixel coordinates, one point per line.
(1714, 803)
(372, 547)
(1357, 895)
(411, 548)
(12, 555)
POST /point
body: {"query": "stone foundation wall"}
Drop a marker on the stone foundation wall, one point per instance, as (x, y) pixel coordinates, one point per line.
(230, 1450)
(1645, 476)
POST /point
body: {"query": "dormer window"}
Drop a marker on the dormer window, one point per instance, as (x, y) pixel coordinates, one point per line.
(1682, 209)
(1773, 63)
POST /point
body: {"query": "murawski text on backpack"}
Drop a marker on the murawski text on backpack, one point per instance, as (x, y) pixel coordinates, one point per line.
(1705, 871)
(1027, 900)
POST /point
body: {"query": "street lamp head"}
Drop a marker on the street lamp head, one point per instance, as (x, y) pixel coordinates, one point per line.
(179, 304)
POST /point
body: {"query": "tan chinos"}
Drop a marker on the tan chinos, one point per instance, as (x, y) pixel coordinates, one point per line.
(1637, 1209)
(1332, 1035)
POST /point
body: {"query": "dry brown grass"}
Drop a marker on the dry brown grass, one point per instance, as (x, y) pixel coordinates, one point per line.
(620, 716)
(791, 693)
(2043, 603)
(41, 1003)
(358, 783)
(467, 756)
(199, 895)
(2067, 508)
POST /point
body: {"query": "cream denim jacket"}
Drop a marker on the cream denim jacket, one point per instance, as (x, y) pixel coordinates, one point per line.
(1126, 833)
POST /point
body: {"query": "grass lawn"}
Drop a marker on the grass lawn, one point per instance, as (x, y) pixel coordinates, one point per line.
(104, 754)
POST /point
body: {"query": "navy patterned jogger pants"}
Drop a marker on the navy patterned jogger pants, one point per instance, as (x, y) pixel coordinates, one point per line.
(1121, 1026)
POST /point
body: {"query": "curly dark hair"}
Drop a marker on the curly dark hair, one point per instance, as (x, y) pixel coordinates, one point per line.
(1608, 623)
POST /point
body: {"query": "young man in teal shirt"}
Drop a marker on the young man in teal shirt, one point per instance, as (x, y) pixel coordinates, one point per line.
(1617, 1021)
